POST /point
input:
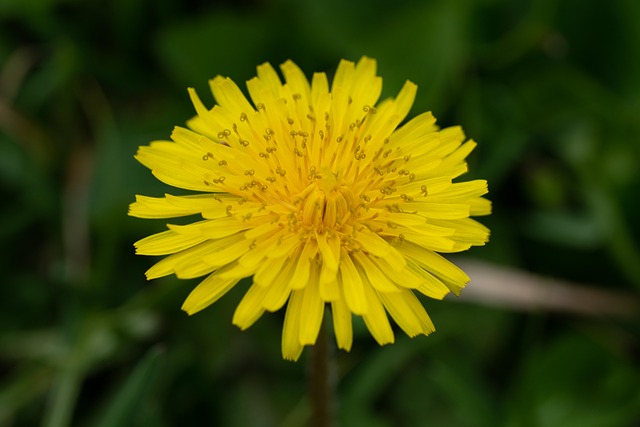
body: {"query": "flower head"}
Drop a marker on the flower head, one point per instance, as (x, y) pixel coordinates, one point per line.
(316, 192)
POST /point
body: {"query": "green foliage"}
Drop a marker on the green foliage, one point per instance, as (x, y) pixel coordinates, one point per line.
(550, 90)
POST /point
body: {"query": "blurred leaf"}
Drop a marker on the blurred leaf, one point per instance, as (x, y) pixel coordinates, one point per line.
(437, 57)
(63, 396)
(222, 43)
(575, 382)
(564, 229)
(21, 387)
(370, 380)
(44, 346)
(123, 408)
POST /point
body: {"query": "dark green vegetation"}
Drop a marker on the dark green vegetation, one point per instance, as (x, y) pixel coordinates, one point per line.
(550, 90)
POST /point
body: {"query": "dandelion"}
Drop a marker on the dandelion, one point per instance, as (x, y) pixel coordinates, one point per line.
(318, 193)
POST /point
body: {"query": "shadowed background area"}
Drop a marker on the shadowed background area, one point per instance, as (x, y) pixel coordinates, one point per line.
(548, 333)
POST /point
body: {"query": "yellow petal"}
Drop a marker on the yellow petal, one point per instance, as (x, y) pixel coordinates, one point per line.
(467, 230)
(329, 289)
(407, 312)
(157, 207)
(227, 254)
(457, 156)
(189, 260)
(228, 95)
(405, 99)
(207, 292)
(313, 309)
(461, 191)
(352, 286)
(280, 288)
(376, 317)
(330, 256)
(342, 326)
(167, 242)
(377, 279)
(293, 321)
(214, 228)
(428, 285)
(269, 77)
(373, 243)
(439, 210)
(449, 273)
(250, 308)
(284, 246)
(301, 275)
(319, 87)
(296, 79)
(480, 206)
(417, 127)
(261, 246)
(269, 270)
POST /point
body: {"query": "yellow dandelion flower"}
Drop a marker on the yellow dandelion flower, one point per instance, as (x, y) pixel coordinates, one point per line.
(316, 192)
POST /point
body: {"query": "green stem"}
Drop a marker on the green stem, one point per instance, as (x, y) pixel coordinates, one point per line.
(322, 382)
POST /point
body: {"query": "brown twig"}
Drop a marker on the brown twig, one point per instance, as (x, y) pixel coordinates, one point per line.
(506, 287)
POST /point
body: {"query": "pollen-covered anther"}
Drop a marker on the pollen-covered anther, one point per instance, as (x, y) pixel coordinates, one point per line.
(399, 239)
(224, 134)
(388, 190)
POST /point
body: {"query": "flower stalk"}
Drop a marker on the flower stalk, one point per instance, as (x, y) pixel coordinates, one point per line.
(323, 385)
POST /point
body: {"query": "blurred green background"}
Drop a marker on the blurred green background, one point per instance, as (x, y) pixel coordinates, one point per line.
(549, 89)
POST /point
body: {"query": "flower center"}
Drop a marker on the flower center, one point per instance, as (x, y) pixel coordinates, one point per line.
(325, 205)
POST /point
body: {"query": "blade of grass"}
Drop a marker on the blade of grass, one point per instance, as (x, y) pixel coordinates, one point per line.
(125, 403)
